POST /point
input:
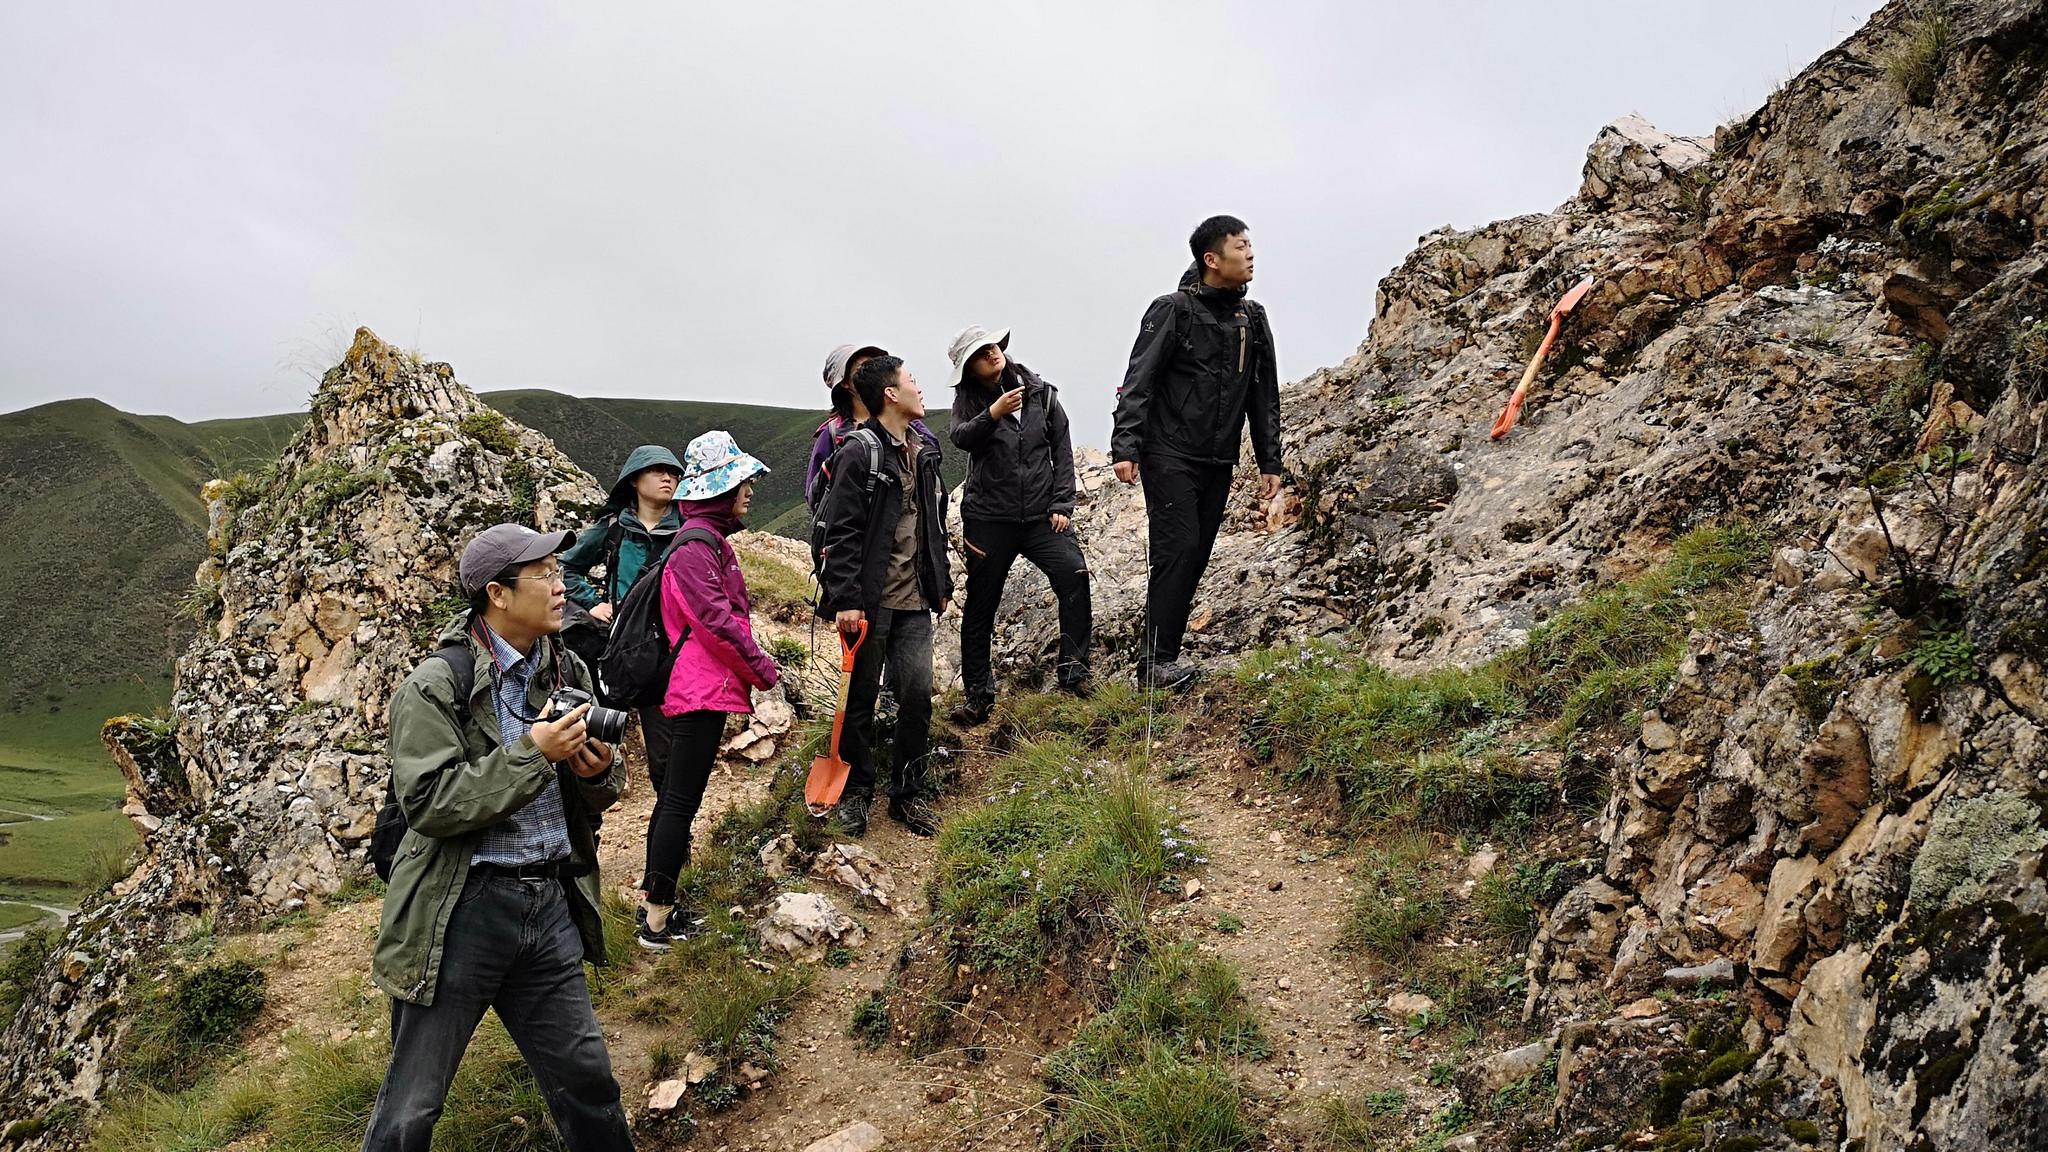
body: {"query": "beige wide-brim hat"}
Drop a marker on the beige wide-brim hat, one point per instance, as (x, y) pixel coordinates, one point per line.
(971, 340)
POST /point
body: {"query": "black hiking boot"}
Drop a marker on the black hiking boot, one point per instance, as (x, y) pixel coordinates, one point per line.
(1167, 677)
(916, 813)
(974, 712)
(850, 815)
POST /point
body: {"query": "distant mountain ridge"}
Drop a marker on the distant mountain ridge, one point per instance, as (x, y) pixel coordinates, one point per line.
(101, 512)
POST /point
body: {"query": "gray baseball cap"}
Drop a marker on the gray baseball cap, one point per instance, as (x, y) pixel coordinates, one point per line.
(503, 545)
(835, 364)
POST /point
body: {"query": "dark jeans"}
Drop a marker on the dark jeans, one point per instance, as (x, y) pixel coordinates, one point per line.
(692, 753)
(654, 732)
(511, 947)
(1184, 503)
(903, 640)
(992, 546)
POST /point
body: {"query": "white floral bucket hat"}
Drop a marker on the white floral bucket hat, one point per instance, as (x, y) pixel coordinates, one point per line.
(714, 465)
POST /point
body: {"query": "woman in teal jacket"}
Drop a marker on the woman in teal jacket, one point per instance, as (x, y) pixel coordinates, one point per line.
(633, 530)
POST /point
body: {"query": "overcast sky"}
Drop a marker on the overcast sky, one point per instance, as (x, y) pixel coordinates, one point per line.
(200, 201)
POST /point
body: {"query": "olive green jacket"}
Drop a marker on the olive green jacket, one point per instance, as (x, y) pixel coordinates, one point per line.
(453, 783)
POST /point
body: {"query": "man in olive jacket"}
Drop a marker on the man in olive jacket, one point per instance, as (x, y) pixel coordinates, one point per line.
(1202, 368)
(493, 896)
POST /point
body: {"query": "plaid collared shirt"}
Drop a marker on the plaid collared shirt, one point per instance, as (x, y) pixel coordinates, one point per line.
(538, 832)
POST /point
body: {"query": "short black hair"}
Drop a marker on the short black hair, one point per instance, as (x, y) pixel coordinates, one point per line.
(1210, 234)
(482, 597)
(874, 378)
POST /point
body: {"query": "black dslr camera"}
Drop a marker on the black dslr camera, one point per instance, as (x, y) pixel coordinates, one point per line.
(600, 723)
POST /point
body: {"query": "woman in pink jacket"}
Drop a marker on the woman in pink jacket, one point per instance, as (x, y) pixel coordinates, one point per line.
(717, 663)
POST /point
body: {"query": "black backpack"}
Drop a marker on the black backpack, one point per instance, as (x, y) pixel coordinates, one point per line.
(874, 446)
(391, 825)
(634, 671)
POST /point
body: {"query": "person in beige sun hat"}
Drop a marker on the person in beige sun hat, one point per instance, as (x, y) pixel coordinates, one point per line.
(1019, 501)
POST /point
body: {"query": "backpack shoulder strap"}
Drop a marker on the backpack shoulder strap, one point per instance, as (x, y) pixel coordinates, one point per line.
(462, 662)
(614, 532)
(874, 447)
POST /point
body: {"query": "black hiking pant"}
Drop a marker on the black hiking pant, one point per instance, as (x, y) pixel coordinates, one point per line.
(692, 748)
(994, 545)
(902, 639)
(1184, 504)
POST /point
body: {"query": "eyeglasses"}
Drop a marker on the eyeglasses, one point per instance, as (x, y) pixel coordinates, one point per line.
(549, 577)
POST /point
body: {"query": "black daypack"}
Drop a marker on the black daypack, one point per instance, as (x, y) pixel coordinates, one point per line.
(874, 446)
(391, 825)
(634, 671)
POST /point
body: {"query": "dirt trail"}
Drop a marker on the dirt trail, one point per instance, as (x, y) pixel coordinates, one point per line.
(1272, 900)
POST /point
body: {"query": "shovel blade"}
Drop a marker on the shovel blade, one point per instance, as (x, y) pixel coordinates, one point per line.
(826, 781)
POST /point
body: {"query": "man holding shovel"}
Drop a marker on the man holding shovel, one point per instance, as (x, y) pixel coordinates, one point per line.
(883, 572)
(1202, 368)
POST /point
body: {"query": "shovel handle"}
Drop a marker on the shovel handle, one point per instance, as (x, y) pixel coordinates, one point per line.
(1514, 408)
(848, 651)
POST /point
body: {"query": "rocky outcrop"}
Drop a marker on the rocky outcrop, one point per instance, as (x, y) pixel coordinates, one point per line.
(333, 571)
(1830, 320)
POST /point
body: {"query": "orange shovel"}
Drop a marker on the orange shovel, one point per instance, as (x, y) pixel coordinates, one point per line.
(828, 772)
(1557, 315)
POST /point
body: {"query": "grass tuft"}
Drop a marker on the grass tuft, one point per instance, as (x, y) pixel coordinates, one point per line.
(1428, 750)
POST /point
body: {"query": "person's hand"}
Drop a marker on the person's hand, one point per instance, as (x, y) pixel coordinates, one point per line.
(602, 613)
(849, 621)
(1061, 521)
(1269, 487)
(1127, 471)
(945, 605)
(562, 737)
(593, 759)
(1007, 403)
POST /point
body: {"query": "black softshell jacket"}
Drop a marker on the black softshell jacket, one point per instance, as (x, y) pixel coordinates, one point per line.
(1194, 380)
(858, 535)
(1019, 468)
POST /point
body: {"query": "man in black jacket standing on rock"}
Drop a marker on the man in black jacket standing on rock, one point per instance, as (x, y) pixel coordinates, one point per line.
(1019, 502)
(1202, 366)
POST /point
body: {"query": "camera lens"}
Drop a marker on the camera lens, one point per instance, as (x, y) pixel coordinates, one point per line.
(606, 724)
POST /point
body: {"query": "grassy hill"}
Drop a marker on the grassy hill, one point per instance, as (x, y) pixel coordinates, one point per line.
(101, 513)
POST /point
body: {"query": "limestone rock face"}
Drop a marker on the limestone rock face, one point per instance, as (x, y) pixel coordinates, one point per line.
(335, 571)
(1830, 321)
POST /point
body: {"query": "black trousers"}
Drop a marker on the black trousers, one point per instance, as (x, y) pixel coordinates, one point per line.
(902, 639)
(994, 545)
(511, 948)
(655, 733)
(693, 740)
(1184, 504)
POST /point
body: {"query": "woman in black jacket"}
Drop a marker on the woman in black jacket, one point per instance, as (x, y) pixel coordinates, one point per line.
(1019, 502)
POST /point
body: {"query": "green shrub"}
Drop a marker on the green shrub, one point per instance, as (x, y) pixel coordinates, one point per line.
(490, 430)
(1165, 1104)
(22, 968)
(183, 1026)
(1425, 749)
(1174, 1003)
(1399, 904)
(871, 1021)
(1507, 898)
(733, 1009)
(1065, 848)
(1947, 657)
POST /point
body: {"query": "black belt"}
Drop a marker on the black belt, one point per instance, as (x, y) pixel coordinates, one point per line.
(549, 870)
